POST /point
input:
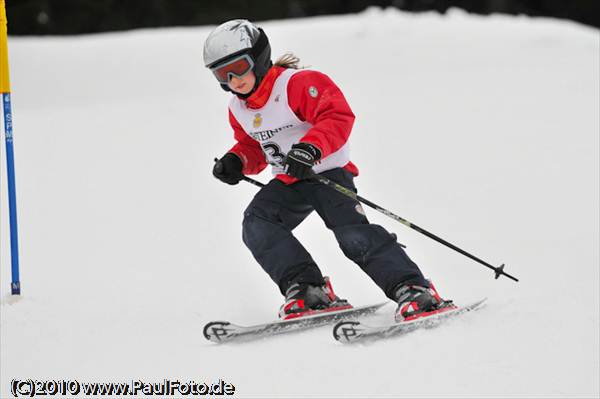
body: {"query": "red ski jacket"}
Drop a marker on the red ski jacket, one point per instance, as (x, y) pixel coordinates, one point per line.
(330, 116)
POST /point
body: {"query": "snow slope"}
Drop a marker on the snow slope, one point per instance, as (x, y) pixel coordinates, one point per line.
(483, 130)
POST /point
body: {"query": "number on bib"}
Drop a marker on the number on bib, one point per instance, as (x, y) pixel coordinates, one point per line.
(273, 152)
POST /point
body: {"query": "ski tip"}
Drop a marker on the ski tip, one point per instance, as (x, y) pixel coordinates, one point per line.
(474, 305)
(481, 301)
(216, 331)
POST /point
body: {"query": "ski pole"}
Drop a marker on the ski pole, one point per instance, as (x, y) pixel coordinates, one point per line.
(498, 271)
(246, 178)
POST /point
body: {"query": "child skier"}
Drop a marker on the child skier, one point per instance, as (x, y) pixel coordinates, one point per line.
(299, 122)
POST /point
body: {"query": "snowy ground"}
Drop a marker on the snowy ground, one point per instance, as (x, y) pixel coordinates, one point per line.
(483, 130)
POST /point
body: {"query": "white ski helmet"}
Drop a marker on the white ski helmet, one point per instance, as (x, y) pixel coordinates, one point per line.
(234, 38)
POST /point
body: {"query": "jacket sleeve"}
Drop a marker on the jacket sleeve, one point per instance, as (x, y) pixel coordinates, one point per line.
(316, 99)
(247, 149)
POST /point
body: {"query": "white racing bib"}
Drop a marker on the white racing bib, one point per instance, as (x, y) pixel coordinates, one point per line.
(276, 127)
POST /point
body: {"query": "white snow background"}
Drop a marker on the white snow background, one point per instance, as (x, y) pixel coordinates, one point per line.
(483, 130)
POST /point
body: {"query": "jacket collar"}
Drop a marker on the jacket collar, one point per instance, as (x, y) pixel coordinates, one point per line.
(262, 93)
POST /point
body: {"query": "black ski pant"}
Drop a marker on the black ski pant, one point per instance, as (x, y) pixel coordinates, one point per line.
(278, 208)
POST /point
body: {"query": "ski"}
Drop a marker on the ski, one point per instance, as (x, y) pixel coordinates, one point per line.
(224, 331)
(355, 331)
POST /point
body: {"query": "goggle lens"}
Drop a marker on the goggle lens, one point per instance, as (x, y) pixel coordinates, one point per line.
(238, 68)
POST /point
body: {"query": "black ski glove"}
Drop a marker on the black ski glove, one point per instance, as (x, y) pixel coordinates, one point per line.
(300, 160)
(228, 169)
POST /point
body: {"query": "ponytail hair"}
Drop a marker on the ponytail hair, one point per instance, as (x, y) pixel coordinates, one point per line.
(288, 60)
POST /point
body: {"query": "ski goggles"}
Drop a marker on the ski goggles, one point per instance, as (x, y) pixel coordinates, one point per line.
(238, 67)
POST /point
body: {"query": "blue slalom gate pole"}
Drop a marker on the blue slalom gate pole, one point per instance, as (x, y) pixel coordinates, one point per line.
(15, 285)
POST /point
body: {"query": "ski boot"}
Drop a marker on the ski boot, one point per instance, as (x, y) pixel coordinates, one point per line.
(305, 299)
(415, 301)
